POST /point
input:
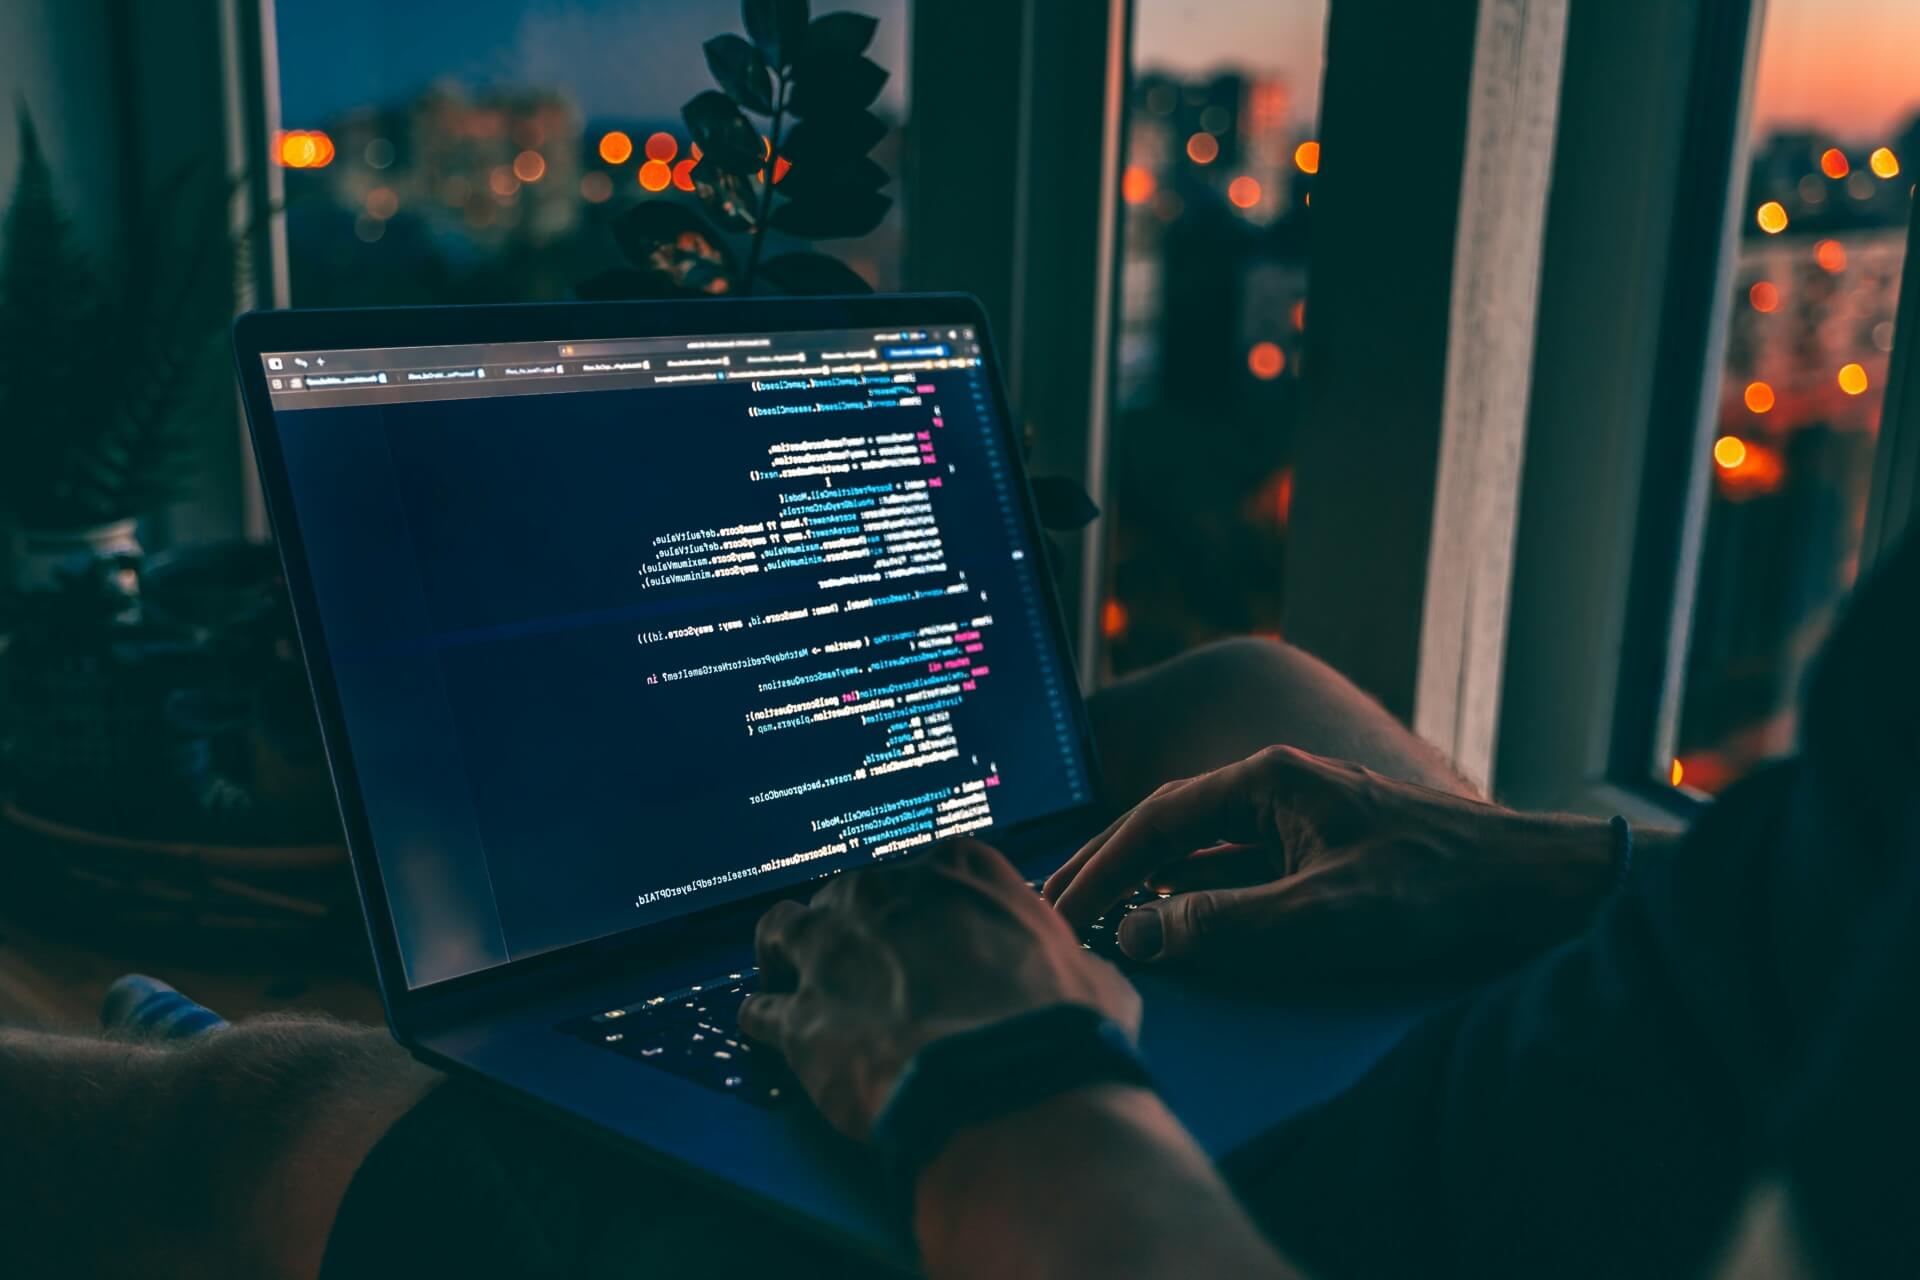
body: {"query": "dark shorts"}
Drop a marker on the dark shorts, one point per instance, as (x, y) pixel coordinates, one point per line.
(469, 1186)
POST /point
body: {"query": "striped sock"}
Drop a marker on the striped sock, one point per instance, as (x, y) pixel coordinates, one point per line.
(148, 1007)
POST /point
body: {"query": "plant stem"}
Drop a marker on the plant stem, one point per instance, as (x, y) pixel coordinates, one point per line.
(766, 186)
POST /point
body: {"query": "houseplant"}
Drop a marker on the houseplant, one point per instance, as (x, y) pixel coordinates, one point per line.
(92, 380)
(782, 146)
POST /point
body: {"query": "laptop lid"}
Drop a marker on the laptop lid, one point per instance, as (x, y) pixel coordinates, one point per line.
(621, 614)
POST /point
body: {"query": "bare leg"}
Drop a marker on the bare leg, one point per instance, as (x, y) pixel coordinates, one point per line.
(1223, 702)
(225, 1156)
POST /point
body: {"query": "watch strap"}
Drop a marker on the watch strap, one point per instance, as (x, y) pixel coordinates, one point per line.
(978, 1075)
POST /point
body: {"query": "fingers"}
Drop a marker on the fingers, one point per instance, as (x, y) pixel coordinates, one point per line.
(1059, 880)
(1223, 805)
(1208, 920)
(1224, 866)
(777, 940)
(767, 1018)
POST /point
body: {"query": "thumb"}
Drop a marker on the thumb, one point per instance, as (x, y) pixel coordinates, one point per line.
(1193, 923)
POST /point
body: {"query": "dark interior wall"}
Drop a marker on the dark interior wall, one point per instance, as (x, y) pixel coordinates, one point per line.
(1394, 106)
(56, 56)
(127, 100)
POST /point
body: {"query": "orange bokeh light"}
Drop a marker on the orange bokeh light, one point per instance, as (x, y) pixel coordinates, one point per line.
(1203, 148)
(781, 167)
(1244, 192)
(1137, 185)
(683, 174)
(1299, 313)
(1765, 295)
(1772, 217)
(1853, 379)
(304, 149)
(1759, 398)
(1831, 255)
(1678, 773)
(662, 147)
(1833, 163)
(1266, 360)
(1306, 157)
(1883, 163)
(1113, 619)
(529, 166)
(655, 175)
(615, 147)
(1747, 468)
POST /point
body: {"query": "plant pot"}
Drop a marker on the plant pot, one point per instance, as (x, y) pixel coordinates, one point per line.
(39, 555)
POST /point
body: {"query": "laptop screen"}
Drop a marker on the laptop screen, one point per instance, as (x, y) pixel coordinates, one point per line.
(622, 630)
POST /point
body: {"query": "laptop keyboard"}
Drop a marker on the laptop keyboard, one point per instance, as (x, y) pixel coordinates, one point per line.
(694, 1032)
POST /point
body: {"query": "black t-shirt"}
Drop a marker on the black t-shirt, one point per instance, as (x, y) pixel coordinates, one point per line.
(1749, 1007)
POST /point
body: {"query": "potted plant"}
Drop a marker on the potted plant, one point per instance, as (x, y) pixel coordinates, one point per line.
(91, 384)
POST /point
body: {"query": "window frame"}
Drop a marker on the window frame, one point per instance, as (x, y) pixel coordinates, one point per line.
(1633, 314)
(1618, 477)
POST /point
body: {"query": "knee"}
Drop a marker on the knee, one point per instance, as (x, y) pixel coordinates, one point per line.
(1244, 670)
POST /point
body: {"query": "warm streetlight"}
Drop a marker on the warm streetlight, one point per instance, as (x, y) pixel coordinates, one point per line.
(1883, 163)
(1853, 379)
(615, 147)
(1772, 217)
(1306, 157)
(1729, 452)
(1265, 360)
(1759, 398)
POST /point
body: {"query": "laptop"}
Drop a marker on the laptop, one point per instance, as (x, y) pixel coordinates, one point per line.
(625, 620)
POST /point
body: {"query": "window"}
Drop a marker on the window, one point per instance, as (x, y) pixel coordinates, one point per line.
(1220, 156)
(1833, 150)
(478, 151)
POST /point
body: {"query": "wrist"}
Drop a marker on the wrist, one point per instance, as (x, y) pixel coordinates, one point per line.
(991, 1173)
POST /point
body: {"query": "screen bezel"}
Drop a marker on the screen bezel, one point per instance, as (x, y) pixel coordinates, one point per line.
(320, 330)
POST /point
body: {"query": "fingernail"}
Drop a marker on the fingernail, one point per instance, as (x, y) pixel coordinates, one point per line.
(1141, 933)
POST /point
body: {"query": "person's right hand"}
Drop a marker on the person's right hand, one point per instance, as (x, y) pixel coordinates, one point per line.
(1319, 868)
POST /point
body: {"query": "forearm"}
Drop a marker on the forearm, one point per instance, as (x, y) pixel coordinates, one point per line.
(1098, 1182)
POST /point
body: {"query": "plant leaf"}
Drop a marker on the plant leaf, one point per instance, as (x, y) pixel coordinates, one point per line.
(741, 71)
(813, 273)
(641, 230)
(847, 211)
(1062, 505)
(840, 32)
(727, 196)
(724, 135)
(805, 181)
(618, 283)
(779, 27)
(832, 139)
(831, 82)
(672, 248)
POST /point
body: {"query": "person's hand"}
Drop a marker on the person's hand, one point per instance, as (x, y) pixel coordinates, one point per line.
(889, 958)
(1309, 868)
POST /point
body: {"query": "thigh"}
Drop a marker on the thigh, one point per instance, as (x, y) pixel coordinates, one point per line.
(471, 1184)
(1224, 701)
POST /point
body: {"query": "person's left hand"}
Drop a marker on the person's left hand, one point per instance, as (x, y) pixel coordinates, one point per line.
(887, 959)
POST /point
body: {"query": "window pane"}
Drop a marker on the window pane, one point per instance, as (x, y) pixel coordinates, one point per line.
(1834, 149)
(477, 150)
(1220, 157)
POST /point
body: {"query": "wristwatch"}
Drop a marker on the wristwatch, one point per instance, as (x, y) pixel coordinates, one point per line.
(974, 1076)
